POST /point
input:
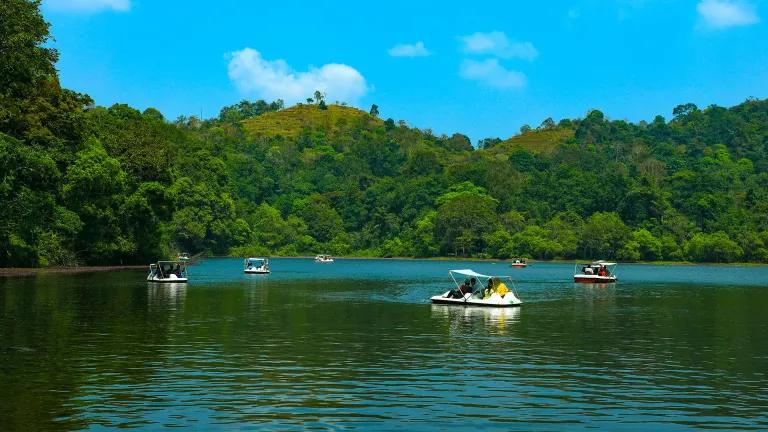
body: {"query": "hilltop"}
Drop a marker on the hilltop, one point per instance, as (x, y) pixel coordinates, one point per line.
(290, 122)
(539, 141)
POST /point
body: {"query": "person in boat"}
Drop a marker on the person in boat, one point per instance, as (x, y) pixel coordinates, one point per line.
(603, 271)
(460, 291)
(468, 286)
(488, 291)
(177, 270)
(501, 288)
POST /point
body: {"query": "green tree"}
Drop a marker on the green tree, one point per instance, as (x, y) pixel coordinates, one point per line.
(716, 247)
(25, 61)
(322, 220)
(499, 244)
(603, 235)
(26, 179)
(422, 237)
(649, 246)
(94, 187)
(466, 214)
(537, 242)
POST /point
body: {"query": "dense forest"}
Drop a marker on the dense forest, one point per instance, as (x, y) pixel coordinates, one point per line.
(85, 184)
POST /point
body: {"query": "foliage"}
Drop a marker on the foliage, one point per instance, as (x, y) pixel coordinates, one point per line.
(83, 184)
(715, 247)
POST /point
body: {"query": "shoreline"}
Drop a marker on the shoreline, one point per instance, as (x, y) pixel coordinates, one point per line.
(508, 260)
(30, 271)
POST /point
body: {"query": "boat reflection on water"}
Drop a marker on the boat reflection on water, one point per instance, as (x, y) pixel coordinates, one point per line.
(168, 295)
(497, 317)
(595, 286)
(595, 299)
(594, 292)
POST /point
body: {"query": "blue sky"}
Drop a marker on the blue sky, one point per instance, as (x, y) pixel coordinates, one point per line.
(481, 68)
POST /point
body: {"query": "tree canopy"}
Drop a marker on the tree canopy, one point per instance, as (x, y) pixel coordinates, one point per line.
(87, 184)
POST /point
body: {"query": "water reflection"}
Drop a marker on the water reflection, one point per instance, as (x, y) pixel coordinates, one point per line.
(595, 286)
(498, 318)
(166, 295)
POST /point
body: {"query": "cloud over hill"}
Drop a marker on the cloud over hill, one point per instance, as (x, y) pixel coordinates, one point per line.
(275, 79)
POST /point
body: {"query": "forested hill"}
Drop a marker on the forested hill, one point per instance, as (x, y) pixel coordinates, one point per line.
(87, 184)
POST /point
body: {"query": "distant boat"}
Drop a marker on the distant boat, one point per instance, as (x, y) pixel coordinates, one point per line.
(323, 259)
(183, 256)
(595, 272)
(168, 271)
(519, 263)
(495, 294)
(256, 266)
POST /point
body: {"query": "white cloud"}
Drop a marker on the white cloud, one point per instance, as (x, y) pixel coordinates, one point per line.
(489, 72)
(720, 14)
(409, 50)
(274, 79)
(87, 6)
(497, 43)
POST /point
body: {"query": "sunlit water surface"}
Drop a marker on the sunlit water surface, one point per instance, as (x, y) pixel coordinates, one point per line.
(356, 345)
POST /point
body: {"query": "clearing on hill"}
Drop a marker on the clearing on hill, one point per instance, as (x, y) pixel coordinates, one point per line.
(542, 141)
(291, 121)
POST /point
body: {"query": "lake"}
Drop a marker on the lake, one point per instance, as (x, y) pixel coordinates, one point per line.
(357, 345)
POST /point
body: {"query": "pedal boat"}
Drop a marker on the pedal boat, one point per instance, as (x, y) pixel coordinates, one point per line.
(168, 272)
(256, 266)
(596, 272)
(509, 299)
(323, 259)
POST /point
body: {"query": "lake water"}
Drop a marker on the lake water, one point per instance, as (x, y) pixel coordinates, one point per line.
(357, 345)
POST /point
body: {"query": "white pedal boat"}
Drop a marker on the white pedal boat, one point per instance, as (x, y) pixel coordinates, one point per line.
(485, 291)
(323, 259)
(256, 266)
(168, 272)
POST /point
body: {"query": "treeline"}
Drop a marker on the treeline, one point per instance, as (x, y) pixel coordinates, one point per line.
(86, 184)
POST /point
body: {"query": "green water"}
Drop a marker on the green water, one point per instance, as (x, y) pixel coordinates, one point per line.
(356, 345)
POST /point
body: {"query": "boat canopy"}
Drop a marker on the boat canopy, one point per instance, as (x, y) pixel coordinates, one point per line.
(472, 273)
(256, 259)
(468, 272)
(601, 262)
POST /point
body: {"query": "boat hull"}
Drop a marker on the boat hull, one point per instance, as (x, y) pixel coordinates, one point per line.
(519, 265)
(594, 279)
(167, 280)
(256, 271)
(495, 301)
